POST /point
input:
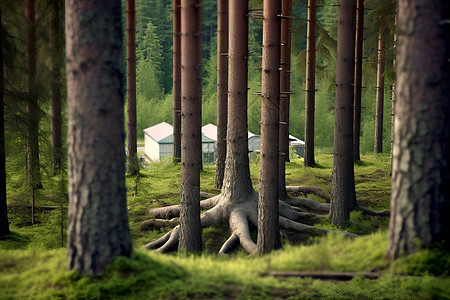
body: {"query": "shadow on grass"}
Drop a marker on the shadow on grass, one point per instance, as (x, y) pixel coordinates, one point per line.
(14, 241)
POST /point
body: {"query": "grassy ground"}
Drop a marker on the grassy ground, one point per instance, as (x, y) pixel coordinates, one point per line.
(33, 263)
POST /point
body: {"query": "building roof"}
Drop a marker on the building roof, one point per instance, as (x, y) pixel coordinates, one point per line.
(295, 141)
(210, 131)
(159, 131)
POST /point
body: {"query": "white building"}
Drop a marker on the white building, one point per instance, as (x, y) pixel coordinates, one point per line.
(158, 142)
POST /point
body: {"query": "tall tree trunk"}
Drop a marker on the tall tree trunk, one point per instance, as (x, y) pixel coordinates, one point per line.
(222, 93)
(393, 100)
(268, 225)
(421, 171)
(309, 160)
(132, 163)
(32, 136)
(4, 225)
(343, 199)
(191, 139)
(378, 143)
(176, 87)
(285, 86)
(55, 86)
(358, 78)
(98, 227)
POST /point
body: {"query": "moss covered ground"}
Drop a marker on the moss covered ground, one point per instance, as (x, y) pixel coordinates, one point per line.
(33, 257)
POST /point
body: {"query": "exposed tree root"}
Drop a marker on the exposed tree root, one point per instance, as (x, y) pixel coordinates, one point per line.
(367, 211)
(241, 214)
(309, 190)
(327, 275)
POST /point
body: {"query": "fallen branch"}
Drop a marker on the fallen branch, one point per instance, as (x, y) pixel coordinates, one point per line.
(339, 276)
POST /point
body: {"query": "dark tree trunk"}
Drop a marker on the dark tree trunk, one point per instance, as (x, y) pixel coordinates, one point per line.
(55, 86)
(378, 143)
(421, 169)
(343, 199)
(132, 163)
(393, 100)
(176, 87)
(222, 93)
(358, 78)
(98, 227)
(285, 62)
(32, 136)
(268, 225)
(191, 139)
(309, 160)
(4, 225)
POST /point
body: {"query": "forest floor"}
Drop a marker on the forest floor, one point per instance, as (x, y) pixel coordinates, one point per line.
(33, 261)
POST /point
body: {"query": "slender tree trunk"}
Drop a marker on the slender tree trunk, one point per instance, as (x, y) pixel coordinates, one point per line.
(55, 86)
(343, 199)
(132, 163)
(176, 88)
(236, 183)
(421, 171)
(4, 225)
(32, 136)
(268, 225)
(98, 227)
(358, 78)
(285, 62)
(378, 143)
(191, 139)
(393, 99)
(222, 93)
(309, 160)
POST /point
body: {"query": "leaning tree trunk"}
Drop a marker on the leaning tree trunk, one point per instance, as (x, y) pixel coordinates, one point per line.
(285, 86)
(421, 169)
(378, 143)
(98, 227)
(132, 163)
(358, 79)
(55, 86)
(176, 87)
(4, 225)
(222, 94)
(191, 139)
(343, 199)
(32, 136)
(268, 225)
(309, 160)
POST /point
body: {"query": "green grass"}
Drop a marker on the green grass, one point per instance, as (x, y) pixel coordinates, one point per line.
(33, 263)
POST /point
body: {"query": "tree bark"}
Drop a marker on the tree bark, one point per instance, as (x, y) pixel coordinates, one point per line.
(32, 135)
(268, 225)
(4, 225)
(378, 143)
(176, 87)
(191, 139)
(55, 86)
(421, 167)
(132, 163)
(222, 93)
(285, 62)
(309, 160)
(98, 227)
(343, 199)
(358, 79)
(393, 99)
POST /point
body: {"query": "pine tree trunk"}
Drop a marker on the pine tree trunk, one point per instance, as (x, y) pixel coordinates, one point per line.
(222, 93)
(421, 167)
(309, 160)
(176, 87)
(268, 225)
(4, 225)
(378, 143)
(358, 78)
(55, 86)
(393, 100)
(191, 139)
(285, 61)
(343, 199)
(32, 136)
(236, 182)
(98, 227)
(132, 163)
